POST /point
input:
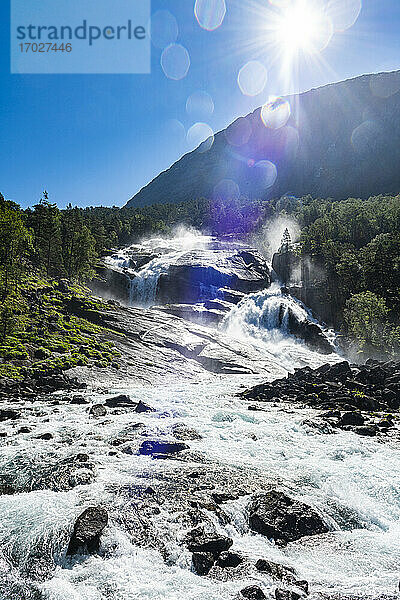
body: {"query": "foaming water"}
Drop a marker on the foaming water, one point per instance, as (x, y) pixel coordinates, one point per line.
(166, 252)
(185, 245)
(262, 319)
(349, 479)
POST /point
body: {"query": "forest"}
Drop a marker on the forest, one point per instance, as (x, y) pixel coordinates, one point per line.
(354, 243)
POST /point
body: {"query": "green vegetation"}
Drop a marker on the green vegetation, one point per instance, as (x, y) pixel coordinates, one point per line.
(355, 244)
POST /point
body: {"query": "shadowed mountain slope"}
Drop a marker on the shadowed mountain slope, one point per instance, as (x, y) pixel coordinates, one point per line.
(341, 140)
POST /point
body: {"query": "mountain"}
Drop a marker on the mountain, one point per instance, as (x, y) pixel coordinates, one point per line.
(340, 140)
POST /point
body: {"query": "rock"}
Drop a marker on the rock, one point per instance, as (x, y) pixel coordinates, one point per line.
(198, 273)
(385, 424)
(221, 497)
(338, 370)
(141, 407)
(229, 560)
(87, 531)
(24, 430)
(352, 418)
(45, 436)
(77, 399)
(281, 594)
(310, 332)
(122, 400)
(9, 415)
(41, 353)
(253, 592)
(82, 457)
(98, 410)
(202, 562)
(281, 518)
(183, 432)
(232, 296)
(195, 313)
(366, 430)
(151, 447)
(199, 541)
(125, 401)
(303, 585)
(275, 570)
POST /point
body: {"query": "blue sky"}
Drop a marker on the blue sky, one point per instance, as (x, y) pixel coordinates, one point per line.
(96, 140)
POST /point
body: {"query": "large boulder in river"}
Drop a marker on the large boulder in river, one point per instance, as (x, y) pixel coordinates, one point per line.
(87, 531)
(310, 332)
(198, 274)
(283, 519)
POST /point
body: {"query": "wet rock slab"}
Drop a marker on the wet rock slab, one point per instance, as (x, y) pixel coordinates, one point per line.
(284, 519)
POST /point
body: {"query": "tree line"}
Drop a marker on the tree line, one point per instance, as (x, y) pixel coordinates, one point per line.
(355, 244)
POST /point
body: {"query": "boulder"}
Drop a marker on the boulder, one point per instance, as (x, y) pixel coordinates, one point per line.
(122, 400)
(281, 594)
(98, 410)
(282, 518)
(202, 562)
(253, 592)
(229, 560)
(213, 543)
(310, 332)
(183, 432)
(366, 430)
(275, 570)
(45, 436)
(9, 415)
(78, 399)
(87, 531)
(352, 418)
(151, 447)
(125, 401)
(141, 407)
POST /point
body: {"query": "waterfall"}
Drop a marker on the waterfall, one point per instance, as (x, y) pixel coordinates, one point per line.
(268, 318)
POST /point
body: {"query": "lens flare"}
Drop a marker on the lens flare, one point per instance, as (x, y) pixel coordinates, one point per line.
(239, 133)
(175, 131)
(385, 85)
(366, 138)
(164, 29)
(200, 136)
(276, 114)
(200, 105)
(175, 62)
(252, 78)
(266, 173)
(227, 189)
(210, 14)
(343, 13)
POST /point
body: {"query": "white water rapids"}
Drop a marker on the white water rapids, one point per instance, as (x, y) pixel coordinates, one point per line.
(351, 480)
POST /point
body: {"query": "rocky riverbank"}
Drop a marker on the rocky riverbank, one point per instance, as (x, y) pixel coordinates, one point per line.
(364, 399)
(180, 473)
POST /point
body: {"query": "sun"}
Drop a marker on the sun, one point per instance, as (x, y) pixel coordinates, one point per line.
(304, 26)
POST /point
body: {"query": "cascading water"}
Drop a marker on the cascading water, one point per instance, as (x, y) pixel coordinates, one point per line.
(166, 252)
(262, 319)
(350, 480)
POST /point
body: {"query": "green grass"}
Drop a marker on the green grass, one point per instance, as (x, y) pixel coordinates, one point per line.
(47, 338)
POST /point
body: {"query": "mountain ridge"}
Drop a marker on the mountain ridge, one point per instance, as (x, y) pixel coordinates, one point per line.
(341, 140)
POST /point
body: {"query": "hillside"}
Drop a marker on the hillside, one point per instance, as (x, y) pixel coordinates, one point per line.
(341, 140)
